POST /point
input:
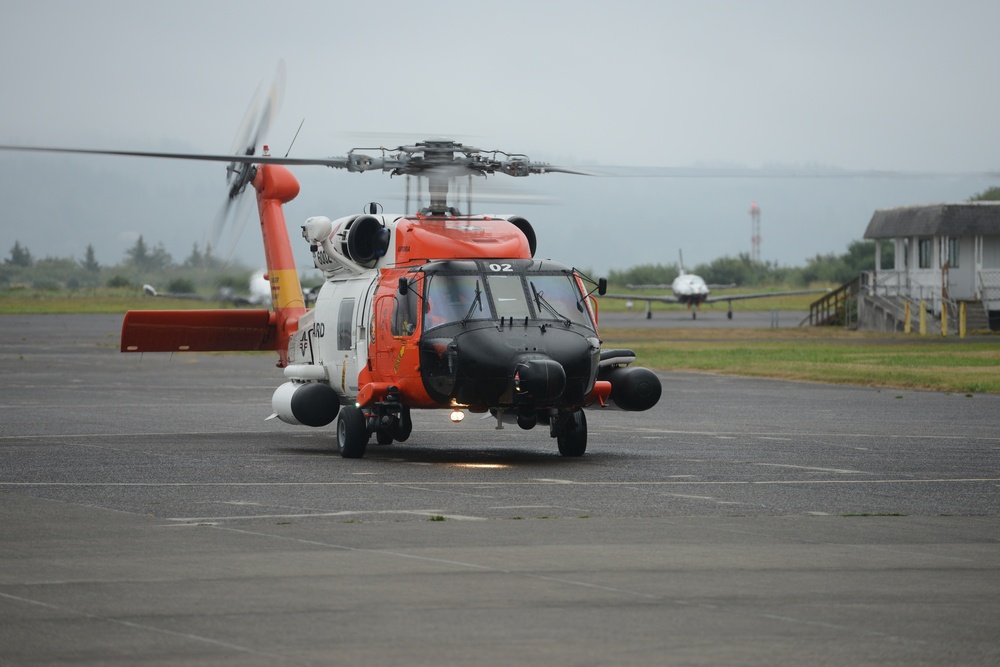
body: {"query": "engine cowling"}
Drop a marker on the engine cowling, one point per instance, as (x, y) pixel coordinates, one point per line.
(367, 239)
(306, 403)
(525, 227)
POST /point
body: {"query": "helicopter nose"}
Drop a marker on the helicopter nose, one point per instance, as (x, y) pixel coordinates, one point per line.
(539, 378)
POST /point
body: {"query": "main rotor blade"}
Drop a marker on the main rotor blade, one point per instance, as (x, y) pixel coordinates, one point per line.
(356, 161)
(807, 172)
(334, 162)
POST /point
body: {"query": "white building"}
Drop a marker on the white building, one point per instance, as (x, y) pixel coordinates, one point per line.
(943, 253)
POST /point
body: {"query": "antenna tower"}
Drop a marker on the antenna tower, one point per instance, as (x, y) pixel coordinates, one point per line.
(754, 232)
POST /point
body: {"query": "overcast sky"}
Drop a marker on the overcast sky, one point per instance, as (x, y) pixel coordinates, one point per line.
(873, 84)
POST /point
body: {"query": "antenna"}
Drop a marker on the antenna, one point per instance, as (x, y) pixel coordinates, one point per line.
(754, 232)
(295, 137)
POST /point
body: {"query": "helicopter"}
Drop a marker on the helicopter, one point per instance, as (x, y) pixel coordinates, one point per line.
(437, 310)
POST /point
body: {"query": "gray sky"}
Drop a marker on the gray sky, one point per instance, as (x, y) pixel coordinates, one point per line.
(874, 84)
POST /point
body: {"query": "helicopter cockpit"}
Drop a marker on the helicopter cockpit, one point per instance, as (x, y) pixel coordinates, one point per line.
(503, 293)
(484, 322)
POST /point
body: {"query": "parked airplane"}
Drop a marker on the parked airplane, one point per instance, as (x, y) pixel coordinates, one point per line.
(692, 291)
(258, 293)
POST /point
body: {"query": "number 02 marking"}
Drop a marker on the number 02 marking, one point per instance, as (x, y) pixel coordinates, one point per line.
(501, 267)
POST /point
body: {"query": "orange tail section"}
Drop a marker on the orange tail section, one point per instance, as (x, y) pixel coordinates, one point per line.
(277, 186)
(236, 330)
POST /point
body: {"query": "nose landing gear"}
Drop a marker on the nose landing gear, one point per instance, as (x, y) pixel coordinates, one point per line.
(570, 431)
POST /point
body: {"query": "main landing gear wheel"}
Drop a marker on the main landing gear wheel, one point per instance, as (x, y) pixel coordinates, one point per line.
(572, 436)
(352, 432)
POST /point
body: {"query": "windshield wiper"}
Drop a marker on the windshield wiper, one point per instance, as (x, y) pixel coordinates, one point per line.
(477, 300)
(541, 301)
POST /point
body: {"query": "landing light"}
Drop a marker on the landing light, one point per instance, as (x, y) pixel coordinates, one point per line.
(457, 416)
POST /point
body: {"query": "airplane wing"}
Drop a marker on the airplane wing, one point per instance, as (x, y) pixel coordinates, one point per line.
(760, 295)
(661, 298)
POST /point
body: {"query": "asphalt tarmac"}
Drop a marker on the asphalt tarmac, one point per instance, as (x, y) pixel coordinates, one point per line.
(712, 316)
(151, 516)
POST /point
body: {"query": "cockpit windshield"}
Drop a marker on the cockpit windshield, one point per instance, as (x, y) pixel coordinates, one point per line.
(508, 296)
(512, 296)
(452, 298)
(558, 297)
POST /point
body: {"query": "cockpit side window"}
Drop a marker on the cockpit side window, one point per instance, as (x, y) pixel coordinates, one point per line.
(404, 314)
(452, 298)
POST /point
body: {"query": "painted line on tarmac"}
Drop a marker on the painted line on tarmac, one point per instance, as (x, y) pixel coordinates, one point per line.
(791, 435)
(142, 626)
(960, 480)
(559, 580)
(306, 515)
(836, 470)
(608, 428)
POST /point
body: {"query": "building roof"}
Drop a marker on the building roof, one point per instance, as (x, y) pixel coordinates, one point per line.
(965, 219)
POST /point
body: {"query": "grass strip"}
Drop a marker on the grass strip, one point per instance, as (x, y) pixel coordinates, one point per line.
(822, 355)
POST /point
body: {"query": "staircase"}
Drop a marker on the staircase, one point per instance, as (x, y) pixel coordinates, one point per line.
(837, 308)
(854, 306)
(976, 316)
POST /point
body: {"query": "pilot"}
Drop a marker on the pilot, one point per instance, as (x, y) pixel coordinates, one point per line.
(432, 318)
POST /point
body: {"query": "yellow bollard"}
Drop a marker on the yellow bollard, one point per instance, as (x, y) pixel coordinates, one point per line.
(944, 318)
(906, 322)
(961, 320)
(923, 318)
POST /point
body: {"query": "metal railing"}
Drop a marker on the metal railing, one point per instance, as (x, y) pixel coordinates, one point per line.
(988, 285)
(833, 308)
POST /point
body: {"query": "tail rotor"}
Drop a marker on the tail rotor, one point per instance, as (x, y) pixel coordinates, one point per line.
(260, 114)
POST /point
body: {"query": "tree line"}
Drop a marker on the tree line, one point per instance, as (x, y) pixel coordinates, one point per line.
(202, 271)
(142, 263)
(830, 268)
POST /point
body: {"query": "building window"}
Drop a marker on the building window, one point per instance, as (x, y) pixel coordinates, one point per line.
(924, 248)
(953, 246)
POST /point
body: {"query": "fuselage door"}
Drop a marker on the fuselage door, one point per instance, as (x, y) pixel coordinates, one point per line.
(396, 353)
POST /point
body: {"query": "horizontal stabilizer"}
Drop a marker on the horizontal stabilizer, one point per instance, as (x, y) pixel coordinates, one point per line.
(198, 330)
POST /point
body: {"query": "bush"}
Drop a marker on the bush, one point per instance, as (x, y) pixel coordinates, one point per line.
(180, 286)
(119, 280)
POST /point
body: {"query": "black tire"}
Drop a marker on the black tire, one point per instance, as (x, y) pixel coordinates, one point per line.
(405, 426)
(383, 438)
(572, 438)
(352, 432)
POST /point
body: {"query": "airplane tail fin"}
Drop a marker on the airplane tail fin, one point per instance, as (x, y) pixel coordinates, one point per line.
(680, 256)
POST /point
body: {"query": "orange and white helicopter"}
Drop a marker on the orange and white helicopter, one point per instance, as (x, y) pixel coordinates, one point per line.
(437, 310)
